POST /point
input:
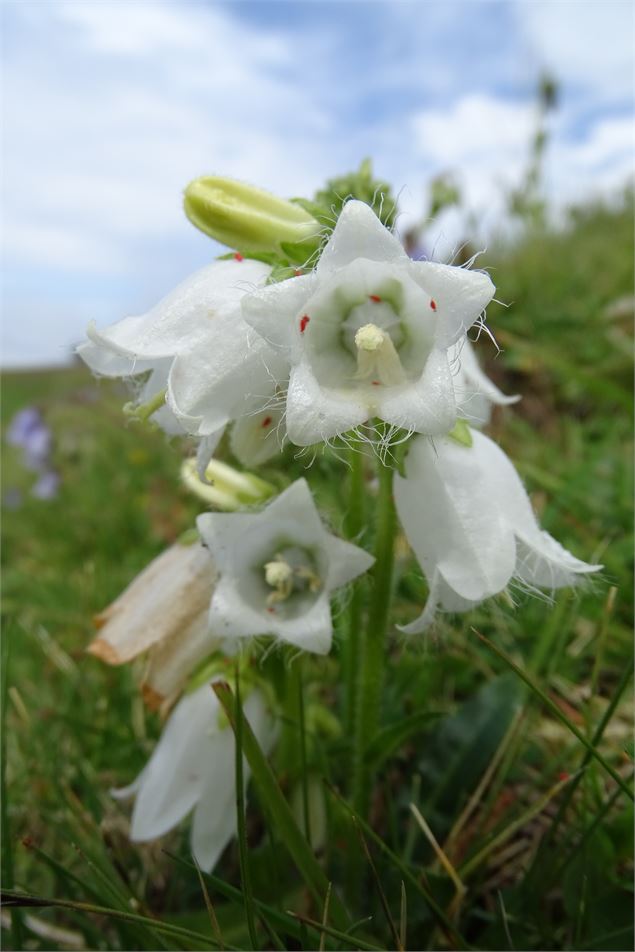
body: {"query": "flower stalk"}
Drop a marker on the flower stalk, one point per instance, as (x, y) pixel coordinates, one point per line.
(372, 659)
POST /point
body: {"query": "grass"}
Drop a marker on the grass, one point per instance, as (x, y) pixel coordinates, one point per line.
(487, 736)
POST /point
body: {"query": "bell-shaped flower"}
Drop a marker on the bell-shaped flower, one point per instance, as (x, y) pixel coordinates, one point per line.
(474, 391)
(196, 348)
(367, 333)
(193, 768)
(277, 571)
(470, 523)
(163, 614)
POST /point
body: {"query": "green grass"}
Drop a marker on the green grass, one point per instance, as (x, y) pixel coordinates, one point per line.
(481, 751)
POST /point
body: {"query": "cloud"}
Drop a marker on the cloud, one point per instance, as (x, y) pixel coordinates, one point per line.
(586, 43)
(111, 108)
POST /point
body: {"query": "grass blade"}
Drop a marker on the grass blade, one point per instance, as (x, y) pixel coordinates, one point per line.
(210, 908)
(555, 710)
(245, 876)
(380, 890)
(13, 900)
(275, 803)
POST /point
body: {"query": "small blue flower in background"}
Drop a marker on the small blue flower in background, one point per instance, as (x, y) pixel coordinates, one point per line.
(29, 432)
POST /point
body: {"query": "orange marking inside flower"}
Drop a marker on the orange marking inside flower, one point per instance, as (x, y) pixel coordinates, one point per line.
(238, 256)
(266, 422)
(304, 320)
(433, 304)
(375, 383)
(375, 297)
(271, 610)
(297, 273)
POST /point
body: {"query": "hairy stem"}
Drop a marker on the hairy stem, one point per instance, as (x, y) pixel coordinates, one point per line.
(353, 527)
(372, 656)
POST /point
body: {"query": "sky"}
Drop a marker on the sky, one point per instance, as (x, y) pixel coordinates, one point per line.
(110, 107)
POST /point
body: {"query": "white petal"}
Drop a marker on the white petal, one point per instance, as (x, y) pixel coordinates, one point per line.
(296, 506)
(346, 562)
(440, 596)
(460, 296)
(474, 390)
(231, 616)
(212, 382)
(205, 451)
(102, 360)
(452, 519)
(359, 234)
(315, 413)
(541, 559)
(258, 435)
(272, 311)
(175, 775)
(219, 531)
(426, 406)
(182, 318)
(311, 631)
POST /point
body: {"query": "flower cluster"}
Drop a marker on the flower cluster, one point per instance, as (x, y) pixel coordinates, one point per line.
(365, 346)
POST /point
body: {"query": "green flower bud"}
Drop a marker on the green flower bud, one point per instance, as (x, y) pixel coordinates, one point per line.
(228, 488)
(245, 217)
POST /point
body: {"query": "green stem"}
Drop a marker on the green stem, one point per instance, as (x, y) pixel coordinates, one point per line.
(372, 660)
(353, 527)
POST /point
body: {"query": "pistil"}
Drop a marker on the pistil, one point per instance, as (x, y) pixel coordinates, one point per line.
(377, 357)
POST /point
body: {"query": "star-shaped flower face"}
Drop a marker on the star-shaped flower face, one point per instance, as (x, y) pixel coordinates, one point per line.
(367, 333)
(277, 571)
(477, 530)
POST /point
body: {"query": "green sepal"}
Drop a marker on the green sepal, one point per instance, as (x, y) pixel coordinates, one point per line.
(461, 433)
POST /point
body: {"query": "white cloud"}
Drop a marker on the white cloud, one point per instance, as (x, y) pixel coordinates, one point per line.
(586, 43)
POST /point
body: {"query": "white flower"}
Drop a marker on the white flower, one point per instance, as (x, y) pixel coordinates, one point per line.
(367, 333)
(474, 391)
(277, 570)
(470, 523)
(195, 345)
(193, 767)
(164, 612)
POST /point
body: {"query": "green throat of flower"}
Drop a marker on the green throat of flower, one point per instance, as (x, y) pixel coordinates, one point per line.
(290, 572)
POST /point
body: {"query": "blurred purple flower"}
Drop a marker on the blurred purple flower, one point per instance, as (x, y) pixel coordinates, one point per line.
(28, 431)
(46, 486)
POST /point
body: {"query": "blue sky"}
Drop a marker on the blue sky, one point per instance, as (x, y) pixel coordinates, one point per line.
(110, 108)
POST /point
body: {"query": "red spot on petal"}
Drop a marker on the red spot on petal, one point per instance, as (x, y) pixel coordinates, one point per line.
(376, 383)
(433, 304)
(375, 297)
(266, 422)
(271, 610)
(304, 320)
(238, 256)
(297, 273)
(563, 775)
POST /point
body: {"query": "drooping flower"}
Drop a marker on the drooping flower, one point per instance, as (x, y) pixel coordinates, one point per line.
(277, 571)
(367, 333)
(163, 613)
(474, 391)
(192, 768)
(197, 350)
(470, 523)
